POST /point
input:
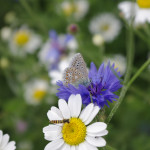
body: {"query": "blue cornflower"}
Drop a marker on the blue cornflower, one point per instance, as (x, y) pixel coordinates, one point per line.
(58, 46)
(103, 83)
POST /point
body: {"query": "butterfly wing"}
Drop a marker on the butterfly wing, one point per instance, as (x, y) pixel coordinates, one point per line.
(77, 72)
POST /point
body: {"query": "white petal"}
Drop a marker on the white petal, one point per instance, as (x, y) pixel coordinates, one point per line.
(93, 114)
(63, 106)
(86, 112)
(86, 146)
(98, 142)
(57, 111)
(1, 135)
(77, 147)
(102, 133)
(52, 132)
(73, 148)
(66, 147)
(53, 116)
(54, 145)
(5, 140)
(10, 146)
(75, 103)
(96, 127)
(82, 146)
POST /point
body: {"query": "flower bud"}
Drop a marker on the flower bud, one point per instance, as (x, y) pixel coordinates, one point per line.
(98, 40)
(73, 28)
(4, 63)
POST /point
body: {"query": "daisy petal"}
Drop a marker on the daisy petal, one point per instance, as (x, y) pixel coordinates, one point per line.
(96, 127)
(1, 135)
(53, 116)
(92, 115)
(87, 146)
(75, 103)
(64, 108)
(72, 148)
(66, 147)
(54, 145)
(86, 112)
(102, 133)
(57, 111)
(4, 141)
(10, 146)
(98, 142)
(52, 132)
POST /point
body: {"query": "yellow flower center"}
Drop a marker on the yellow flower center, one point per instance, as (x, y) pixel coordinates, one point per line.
(70, 9)
(39, 95)
(21, 38)
(144, 3)
(74, 132)
(104, 27)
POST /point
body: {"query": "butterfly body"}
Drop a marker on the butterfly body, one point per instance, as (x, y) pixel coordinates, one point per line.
(59, 121)
(77, 72)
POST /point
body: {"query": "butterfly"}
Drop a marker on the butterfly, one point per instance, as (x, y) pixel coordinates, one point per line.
(77, 72)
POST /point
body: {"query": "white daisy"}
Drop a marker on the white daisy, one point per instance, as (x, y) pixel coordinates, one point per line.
(119, 61)
(35, 91)
(56, 75)
(75, 133)
(76, 8)
(4, 142)
(107, 25)
(24, 41)
(139, 11)
(6, 33)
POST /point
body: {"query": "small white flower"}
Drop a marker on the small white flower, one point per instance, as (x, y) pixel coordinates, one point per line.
(119, 61)
(4, 62)
(136, 11)
(57, 75)
(6, 33)
(35, 91)
(98, 40)
(76, 8)
(107, 25)
(4, 142)
(24, 41)
(76, 133)
(11, 18)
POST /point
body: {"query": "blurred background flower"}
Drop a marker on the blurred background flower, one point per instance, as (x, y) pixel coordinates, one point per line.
(23, 41)
(107, 25)
(37, 42)
(56, 48)
(35, 91)
(139, 11)
(76, 8)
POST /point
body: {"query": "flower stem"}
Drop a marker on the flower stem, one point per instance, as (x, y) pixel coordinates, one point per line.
(145, 65)
(130, 54)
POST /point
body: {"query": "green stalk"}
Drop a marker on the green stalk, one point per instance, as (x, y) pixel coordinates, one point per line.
(145, 65)
(130, 54)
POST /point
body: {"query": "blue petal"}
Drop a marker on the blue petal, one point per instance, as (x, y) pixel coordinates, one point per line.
(93, 73)
(68, 38)
(53, 35)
